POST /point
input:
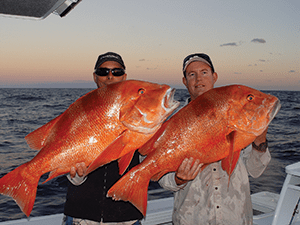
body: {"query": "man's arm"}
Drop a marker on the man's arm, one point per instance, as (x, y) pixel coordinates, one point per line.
(257, 157)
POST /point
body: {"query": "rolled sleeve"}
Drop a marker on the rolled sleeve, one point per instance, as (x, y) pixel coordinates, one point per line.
(168, 182)
(256, 162)
(77, 180)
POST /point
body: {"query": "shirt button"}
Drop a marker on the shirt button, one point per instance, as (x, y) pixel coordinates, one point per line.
(218, 207)
(214, 169)
(216, 188)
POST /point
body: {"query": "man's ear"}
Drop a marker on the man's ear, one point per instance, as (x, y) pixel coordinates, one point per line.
(184, 81)
(215, 76)
(125, 76)
(95, 77)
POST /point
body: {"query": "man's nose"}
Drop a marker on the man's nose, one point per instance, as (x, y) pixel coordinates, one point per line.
(110, 76)
(198, 76)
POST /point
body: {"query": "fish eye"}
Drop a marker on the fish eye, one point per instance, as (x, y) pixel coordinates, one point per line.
(250, 97)
(141, 91)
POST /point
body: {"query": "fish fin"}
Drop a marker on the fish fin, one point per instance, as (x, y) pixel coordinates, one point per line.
(36, 139)
(21, 186)
(55, 173)
(110, 153)
(133, 187)
(229, 163)
(124, 162)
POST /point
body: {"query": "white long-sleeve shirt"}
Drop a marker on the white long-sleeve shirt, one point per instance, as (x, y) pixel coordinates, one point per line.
(208, 199)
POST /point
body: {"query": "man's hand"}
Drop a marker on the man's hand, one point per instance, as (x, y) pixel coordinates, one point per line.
(80, 169)
(187, 171)
(261, 138)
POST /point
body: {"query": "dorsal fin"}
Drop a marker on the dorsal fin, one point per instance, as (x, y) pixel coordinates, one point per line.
(36, 139)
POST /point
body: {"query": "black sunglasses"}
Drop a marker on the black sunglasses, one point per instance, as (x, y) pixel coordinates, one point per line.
(105, 71)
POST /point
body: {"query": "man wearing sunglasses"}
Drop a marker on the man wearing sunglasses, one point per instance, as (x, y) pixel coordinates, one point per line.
(109, 69)
(86, 201)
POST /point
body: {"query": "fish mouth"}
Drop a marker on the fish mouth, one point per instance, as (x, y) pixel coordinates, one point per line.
(275, 109)
(168, 103)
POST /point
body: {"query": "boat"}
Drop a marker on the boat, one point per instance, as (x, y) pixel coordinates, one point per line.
(280, 209)
(268, 208)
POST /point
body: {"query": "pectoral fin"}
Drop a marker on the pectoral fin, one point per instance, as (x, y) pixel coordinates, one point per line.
(112, 152)
(229, 163)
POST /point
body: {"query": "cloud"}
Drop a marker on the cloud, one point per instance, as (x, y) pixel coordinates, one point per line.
(292, 71)
(149, 68)
(141, 60)
(229, 44)
(259, 40)
(262, 60)
(237, 73)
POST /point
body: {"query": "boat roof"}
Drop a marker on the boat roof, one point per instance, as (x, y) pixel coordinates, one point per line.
(33, 9)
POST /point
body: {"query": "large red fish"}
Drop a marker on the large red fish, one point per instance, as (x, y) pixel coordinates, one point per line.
(213, 127)
(106, 124)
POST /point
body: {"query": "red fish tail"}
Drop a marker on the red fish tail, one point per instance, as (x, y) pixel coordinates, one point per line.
(21, 186)
(132, 187)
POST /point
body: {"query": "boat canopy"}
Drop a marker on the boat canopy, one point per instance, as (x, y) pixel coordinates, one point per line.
(36, 9)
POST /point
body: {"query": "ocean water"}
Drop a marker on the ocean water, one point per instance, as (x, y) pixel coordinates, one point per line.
(24, 110)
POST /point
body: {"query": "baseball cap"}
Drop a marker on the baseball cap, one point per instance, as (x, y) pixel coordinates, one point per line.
(109, 56)
(197, 57)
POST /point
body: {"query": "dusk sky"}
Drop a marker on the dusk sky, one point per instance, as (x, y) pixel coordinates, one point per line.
(254, 43)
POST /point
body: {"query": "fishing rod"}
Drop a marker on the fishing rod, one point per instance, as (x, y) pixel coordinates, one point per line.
(295, 211)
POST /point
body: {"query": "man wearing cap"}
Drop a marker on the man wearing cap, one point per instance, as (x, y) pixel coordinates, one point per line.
(205, 197)
(86, 201)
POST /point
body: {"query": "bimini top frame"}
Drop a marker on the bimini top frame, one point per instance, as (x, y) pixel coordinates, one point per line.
(36, 9)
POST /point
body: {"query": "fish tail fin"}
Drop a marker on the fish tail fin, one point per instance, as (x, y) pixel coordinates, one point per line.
(21, 186)
(133, 187)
